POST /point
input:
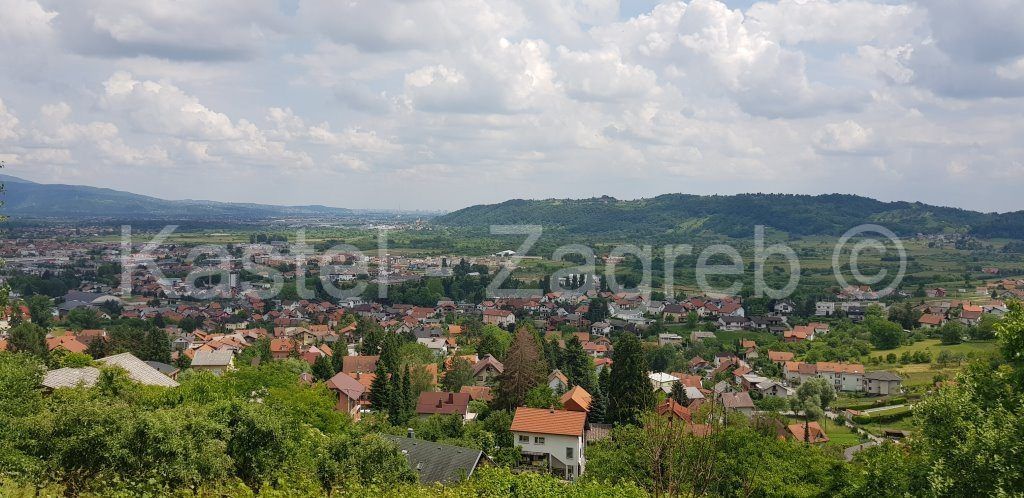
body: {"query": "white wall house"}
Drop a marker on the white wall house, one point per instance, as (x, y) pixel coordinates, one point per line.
(553, 440)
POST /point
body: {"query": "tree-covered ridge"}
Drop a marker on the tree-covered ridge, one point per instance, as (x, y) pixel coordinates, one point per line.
(736, 215)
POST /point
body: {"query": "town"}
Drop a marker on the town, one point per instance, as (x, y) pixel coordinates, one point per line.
(547, 377)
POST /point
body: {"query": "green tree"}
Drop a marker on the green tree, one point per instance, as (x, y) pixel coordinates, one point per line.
(524, 369)
(577, 365)
(494, 342)
(323, 369)
(29, 338)
(380, 394)
(884, 334)
(812, 398)
(458, 375)
(952, 332)
(40, 309)
(83, 318)
(542, 396)
(630, 392)
(157, 346)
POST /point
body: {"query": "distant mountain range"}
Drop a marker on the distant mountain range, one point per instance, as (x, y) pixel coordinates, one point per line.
(735, 216)
(25, 199)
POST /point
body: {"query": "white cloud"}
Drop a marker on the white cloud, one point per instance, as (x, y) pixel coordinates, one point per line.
(847, 137)
(480, 100)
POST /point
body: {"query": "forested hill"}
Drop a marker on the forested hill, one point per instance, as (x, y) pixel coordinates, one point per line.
(735, 215)
(25, 199)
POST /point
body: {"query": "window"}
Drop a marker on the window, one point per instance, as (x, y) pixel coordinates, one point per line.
(538, 440)
(568, 453)
(524, 439)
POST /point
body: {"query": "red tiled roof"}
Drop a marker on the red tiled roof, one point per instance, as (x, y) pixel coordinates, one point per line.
(547, 421)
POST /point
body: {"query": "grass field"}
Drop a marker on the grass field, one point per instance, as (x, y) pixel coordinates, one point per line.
(923, 374)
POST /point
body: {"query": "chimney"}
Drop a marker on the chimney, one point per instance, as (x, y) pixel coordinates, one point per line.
(410, 433)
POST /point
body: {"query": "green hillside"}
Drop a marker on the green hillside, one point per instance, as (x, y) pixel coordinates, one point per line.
(35, 200)
(735, 215)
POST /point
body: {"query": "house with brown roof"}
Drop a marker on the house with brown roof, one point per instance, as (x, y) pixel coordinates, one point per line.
(739, 402)
(780, 357)
(814, 434)
(499, 317)
(551, 440)
(350, 393)
(478, 393)
(576, 399)
(487, 369)
(557, 381)
(672, 410)
(353, 364)
(443, 403)
(931, 320)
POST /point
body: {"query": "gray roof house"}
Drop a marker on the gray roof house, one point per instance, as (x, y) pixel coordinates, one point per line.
(438, 463)
(137, 370)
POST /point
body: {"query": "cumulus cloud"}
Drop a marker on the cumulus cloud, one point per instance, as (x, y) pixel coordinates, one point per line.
(480, 100)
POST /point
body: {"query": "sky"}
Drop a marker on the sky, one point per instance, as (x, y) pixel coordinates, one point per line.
(431, 104)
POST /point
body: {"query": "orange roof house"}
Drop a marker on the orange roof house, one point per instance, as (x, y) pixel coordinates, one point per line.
(576, 399)
(817, 435)
(549, 421)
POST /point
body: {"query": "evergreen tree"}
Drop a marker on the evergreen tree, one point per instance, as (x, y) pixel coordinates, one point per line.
(29, 338)
(323, 369)
(379, 395)
(389, 352)
(604, 380)
(407, 395)
(524, 369)
(397, 405)
(158, 346)
(576, 365)
(679, 394)
(99, 348)
(630, 393)
(598, 405)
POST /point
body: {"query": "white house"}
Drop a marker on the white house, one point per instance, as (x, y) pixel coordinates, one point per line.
(662, 380)
(881, 383)
(438, 345)
(550, 439)
(824, 308)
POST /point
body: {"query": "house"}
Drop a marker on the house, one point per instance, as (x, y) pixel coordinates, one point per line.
(813, 435)
(443, 403)
(350, 393)
(217, 362)
(282, 348)
(601, 328)
(576, 399)
(733, 323)
(664, 339)
(739, 402)
(930, 320)
(66, 342)
(674, 312)
(672, 410)
(551, 439)
(557, 381)
(784, 307)
(137, 370)
(436, 463)
(780, 357)
(698, 336)
(843, 376)
(478, 393)
(437, 345)
(487, 370)
(354, 364)
(881, 383)
(774, 389)
(499, 317)
(799, 333)
(824, 308)
(662, 380)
